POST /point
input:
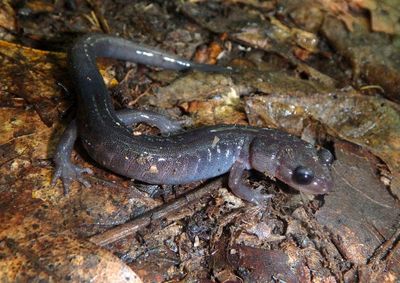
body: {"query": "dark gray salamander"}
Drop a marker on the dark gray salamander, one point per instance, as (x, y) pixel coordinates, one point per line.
(176, 158)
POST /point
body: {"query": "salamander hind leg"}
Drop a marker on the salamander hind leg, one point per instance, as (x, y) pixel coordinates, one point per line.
(65, 169)
(68, 172)
(162, 122)
(243, 190)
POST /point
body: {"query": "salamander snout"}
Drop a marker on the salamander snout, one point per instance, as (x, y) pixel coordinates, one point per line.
(307, 171)
(306, 180)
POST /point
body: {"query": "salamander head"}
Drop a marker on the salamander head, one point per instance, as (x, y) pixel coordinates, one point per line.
(305, 168)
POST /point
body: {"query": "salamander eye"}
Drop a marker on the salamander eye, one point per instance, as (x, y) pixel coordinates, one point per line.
(303, 175)
(325, 156)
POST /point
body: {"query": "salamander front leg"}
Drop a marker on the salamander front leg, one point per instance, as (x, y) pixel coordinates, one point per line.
(241, 189)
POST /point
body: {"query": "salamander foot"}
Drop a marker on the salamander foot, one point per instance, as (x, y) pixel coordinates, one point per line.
(69, 172)
(242, 189)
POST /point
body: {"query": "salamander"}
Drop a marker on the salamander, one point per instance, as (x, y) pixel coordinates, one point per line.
(175, 156)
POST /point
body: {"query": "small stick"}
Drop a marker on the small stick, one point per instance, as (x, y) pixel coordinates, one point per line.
(121, 231)
(387, 249)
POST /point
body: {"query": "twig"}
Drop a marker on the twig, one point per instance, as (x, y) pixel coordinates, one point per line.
(387, 249)
(99, 17)
(121, 231)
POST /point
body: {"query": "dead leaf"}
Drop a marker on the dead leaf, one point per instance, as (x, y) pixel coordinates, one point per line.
(371, 122)
(194, 86)
(7, 16)
(259, 32)
(373, 56)
(360, 210)
(34, 75)
(385, 15)
(60, 258)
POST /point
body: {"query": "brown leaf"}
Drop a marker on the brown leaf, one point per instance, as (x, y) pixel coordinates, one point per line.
(385, 15)
(371, 122)
(194, 86)
(24, 132)
(373, 56)
(360, 213)
(34, 76)
(60, 258)
(260, 32)
(36, 246)
(262, 265)
(7, 16)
